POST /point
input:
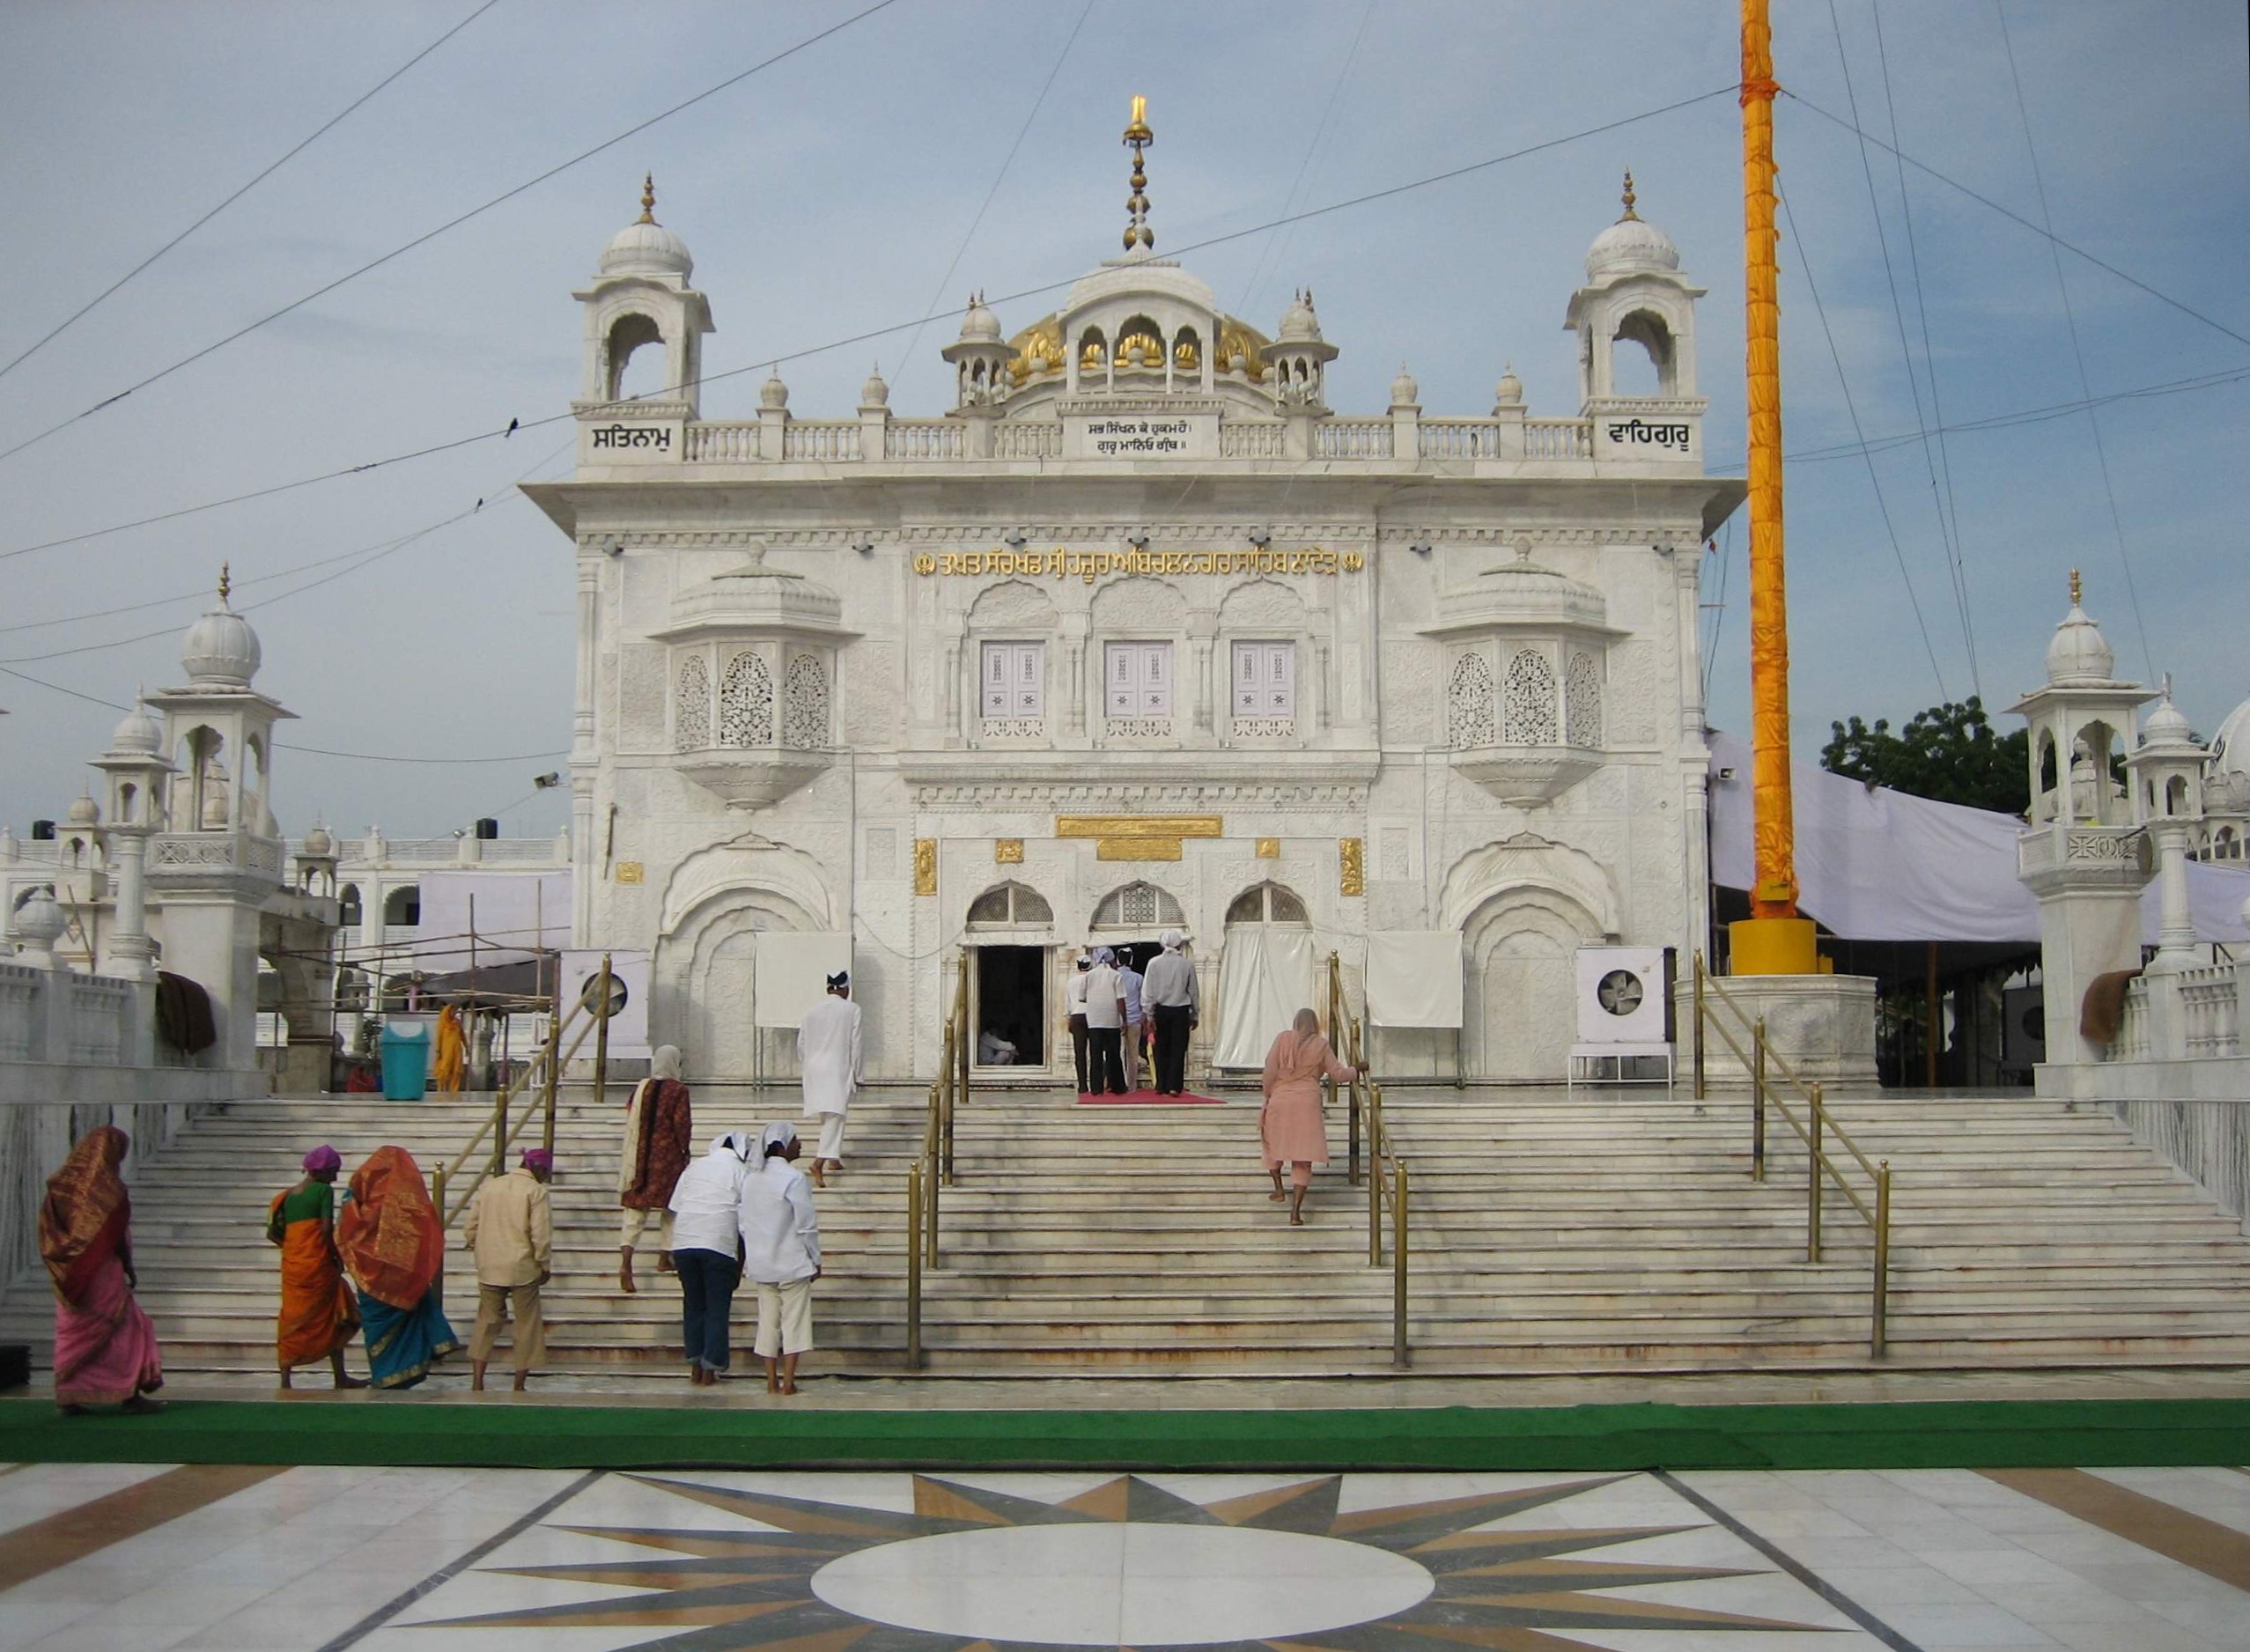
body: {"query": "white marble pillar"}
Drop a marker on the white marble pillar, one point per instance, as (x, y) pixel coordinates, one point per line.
(2176, 930)
(131, 955)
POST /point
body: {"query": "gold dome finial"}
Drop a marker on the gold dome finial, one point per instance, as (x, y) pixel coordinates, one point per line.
(2076, 587)
(1137, 139)
(226, 583)
(1629, 197)
(647, 199)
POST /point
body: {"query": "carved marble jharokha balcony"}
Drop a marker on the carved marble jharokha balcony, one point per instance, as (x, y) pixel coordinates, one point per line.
(1527, 774)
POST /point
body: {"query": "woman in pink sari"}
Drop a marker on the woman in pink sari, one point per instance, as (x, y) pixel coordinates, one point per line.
(1291, 1127)
(105, 1348)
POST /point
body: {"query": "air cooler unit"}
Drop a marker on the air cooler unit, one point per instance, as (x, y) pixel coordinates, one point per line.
(1624, 1015)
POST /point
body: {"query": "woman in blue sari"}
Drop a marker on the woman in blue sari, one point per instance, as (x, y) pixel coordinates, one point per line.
(391, 1244)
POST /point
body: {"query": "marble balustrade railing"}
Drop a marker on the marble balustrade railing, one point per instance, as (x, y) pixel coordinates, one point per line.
(2208, 1139)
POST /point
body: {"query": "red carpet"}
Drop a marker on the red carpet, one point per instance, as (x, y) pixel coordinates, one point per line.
(1149, 1098)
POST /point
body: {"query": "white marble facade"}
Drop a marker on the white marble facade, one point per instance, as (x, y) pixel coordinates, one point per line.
(859, 673)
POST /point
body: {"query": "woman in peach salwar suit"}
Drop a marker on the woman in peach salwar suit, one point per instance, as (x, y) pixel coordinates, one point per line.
(1291, 1127)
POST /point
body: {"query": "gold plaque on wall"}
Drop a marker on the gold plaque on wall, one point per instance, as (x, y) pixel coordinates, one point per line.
(1269, 849)
(628, 871)
(1007, 851)
(926, 866)
(1136, 849)
(1351, 867)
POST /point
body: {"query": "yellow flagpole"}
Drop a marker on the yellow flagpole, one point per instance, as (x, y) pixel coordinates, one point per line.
(1774, 939)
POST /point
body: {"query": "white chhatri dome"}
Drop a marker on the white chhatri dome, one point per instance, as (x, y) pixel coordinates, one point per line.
(220, 650)
(1299, 324)
(1632, 246)
(85, 811)
(1509, 391)
(1403, 391)
(2167, 726)
(646, 247)
(2079, 655)
(319, 843)
(979, 325)
(137, 732)
(874, 392)
(2231, 746)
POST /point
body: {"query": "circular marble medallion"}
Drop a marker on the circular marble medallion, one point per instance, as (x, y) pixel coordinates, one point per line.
(1122, 1584)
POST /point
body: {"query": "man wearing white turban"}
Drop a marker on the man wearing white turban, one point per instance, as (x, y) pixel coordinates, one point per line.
(781, 1250)
(828, 1054)
(1167, 990)
(706, 1213)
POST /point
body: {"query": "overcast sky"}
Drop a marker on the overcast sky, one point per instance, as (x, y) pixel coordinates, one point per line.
(830, 194)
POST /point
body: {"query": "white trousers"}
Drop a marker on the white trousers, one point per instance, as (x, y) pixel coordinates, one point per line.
(785, 1317)
(832, 1142)
(635, 1223)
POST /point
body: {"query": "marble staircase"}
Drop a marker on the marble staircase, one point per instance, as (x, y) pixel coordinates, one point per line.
(1607, 1231)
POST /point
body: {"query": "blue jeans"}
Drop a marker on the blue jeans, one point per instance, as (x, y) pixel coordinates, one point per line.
(707, 1281)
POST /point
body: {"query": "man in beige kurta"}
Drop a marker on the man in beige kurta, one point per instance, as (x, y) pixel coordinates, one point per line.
(512, 1230)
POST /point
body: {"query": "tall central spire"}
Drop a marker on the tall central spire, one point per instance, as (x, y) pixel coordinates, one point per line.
(1137, 139)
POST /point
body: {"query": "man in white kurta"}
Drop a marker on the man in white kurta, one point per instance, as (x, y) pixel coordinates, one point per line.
(827, 1055)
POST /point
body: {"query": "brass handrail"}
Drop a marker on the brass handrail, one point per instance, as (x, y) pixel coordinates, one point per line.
(1874, 1210)
(1365, 1095)
(543, 1068)
(933, 1166)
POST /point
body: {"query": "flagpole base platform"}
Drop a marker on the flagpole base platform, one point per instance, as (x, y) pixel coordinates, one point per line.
(1773, 946)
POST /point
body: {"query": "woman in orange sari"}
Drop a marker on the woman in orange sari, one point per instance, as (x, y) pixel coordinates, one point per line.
(390, 1242)
(1292, 1127)
(318, 1316)
(105, 1348)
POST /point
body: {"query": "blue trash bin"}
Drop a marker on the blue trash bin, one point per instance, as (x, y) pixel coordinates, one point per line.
(406, 1061)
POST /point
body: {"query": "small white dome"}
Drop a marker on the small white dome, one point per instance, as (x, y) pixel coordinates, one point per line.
(1403, 391)
(979, 325)
(646, 247)
(318, 844)
(1299, 324)
(874, 393)
(1632, 246)
(773, 393)
(85, 811)
(220, 650)
(1509, 391)
(41, 920)
(2078, 654)
(137, 732)
(2166, 726)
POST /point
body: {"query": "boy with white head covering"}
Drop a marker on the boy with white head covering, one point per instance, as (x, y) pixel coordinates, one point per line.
(781, 1250)
(706, 1212)
(828, 1050)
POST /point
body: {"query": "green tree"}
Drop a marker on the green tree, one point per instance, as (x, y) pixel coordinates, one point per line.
(1950, 752)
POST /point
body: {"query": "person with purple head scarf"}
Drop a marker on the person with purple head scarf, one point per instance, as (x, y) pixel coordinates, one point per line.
(512, 1229)
(319, 1316)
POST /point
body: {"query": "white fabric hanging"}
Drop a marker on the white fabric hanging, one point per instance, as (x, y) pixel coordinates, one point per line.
(1264, 979)
(793, 972)
(1414, 977)
(1878, 864)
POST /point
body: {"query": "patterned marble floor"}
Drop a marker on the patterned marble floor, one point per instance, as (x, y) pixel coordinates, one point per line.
(137, 1558)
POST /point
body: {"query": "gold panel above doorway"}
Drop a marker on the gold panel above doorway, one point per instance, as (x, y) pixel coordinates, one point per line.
(1139, 836)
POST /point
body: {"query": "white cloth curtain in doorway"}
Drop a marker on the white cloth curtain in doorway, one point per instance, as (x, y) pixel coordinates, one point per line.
(1264, 979)
(792, 974)
(1414, 977)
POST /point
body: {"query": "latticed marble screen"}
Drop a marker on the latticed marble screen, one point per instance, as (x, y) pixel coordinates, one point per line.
(691, 706)
(1469, 704)
(805, 723)
(1136, 906)
(746, 703)
(1529, 698)
(1582, 701)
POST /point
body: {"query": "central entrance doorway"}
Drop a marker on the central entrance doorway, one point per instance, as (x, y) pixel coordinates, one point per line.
(1011, 1006)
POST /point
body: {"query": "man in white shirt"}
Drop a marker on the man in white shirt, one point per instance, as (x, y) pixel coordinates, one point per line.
(1075, 1012)
(828, 1052)
(1130, 979)
(1104, 1025)
(781, 1255)
(706, 1208)
(1169, 995)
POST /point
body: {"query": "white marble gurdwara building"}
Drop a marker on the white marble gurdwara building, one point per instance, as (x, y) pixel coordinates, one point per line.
(1138, 632)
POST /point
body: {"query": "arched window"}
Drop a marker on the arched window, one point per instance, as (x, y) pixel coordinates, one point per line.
(1092, 353)
(403, 904)
(1140, 344)
(347, 907)
(805, 723)
(1266, 903)
(627, 338)
(1469, 704)
(1136, 906)
(1010, 903)
(746, 703)
(1631, 374)
(692, 710)
(1530, 700)
(1187, 352)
